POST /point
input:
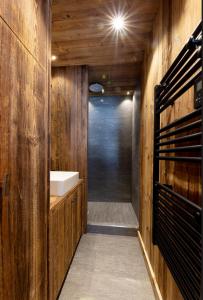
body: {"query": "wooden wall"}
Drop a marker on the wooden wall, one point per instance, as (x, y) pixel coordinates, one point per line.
(24, 94)
(174, 24)
(69, 116)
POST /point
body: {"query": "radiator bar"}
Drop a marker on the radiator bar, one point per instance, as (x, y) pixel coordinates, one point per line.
(181, 139)
(179, 93)
(183, 231)
(179, 121)
(177, 220)
(175, 267)
(187, 66)
(193, 125)
(181, 149)
(182, 198)
(184, 54)
(194, 272)
(179, 158)
(190, 217)
(180, 265)
(181, 82)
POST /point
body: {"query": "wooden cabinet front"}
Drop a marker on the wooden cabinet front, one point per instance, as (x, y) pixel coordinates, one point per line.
(79, 213)
(65, 230)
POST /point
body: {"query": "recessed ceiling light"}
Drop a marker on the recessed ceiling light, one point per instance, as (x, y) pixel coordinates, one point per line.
(118, 23)
(53, 57)
(128, 93)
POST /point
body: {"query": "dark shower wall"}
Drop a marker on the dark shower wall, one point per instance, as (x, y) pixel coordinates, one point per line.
(110, 149)
(136, 151)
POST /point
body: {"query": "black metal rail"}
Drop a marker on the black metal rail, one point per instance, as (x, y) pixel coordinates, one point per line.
(176, 219)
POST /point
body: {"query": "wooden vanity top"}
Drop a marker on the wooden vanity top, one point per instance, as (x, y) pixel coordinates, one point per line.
(54, 200)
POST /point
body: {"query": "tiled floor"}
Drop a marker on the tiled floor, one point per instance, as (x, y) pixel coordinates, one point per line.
(112, 213)
(107, 268)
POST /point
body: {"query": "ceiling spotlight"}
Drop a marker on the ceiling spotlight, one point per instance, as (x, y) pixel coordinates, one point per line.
(128, 93)
(118, 23)
(53, 57)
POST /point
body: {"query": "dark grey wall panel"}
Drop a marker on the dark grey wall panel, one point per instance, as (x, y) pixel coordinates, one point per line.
(136, 151)
(110, 149)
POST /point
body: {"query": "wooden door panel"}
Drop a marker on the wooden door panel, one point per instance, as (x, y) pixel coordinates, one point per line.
(64, 233)
(52, 262)
(74, 221)
(56, 250)
(68, 243)
(79, 213)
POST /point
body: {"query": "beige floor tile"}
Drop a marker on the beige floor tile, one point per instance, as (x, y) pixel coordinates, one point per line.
(112, 213)
(107, 268)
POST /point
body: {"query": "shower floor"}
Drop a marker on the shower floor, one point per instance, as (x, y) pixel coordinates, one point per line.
(112, 214)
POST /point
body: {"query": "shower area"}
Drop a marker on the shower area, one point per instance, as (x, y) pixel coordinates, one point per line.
(112, 194)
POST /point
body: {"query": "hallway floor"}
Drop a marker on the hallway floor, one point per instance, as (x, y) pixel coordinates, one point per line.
(107, 268)
(112, 213)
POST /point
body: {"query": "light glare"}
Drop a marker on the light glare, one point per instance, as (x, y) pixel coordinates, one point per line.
(118, 23)
(53, 57)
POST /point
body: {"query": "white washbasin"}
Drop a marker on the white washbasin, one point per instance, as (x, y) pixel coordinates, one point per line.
(62, 182)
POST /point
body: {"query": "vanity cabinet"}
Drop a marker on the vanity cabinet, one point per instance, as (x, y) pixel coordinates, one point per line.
(65, 229)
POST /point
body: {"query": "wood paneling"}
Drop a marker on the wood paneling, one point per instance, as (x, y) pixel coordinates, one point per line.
(64, 235)
(174, 24)
(69, 120)
(28, 21)
(79, 212)
(82, 31)
(116, 79)
(24, 28)
(69, 116)
(83, 35)
(57, 248)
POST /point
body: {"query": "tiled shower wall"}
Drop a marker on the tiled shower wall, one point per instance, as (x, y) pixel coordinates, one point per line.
(110, 149)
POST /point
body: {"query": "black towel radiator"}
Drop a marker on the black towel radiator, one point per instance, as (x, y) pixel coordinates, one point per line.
(176, 219)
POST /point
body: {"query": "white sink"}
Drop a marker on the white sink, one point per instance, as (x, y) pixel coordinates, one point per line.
(62, 182)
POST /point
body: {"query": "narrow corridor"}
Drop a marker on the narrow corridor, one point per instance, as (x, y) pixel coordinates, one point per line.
(107, 267)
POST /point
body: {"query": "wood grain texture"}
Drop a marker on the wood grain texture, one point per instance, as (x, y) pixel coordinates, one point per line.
(69, 115)
(64, 235)
(69, 109)
(174, 24)
(57, 248)
(28, 20)
(116, 79)
(24, 149)
(82, 31)
(83, 35)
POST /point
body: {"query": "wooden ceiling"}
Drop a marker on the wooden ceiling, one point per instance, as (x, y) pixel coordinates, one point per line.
(116, 79)
(82, 35)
